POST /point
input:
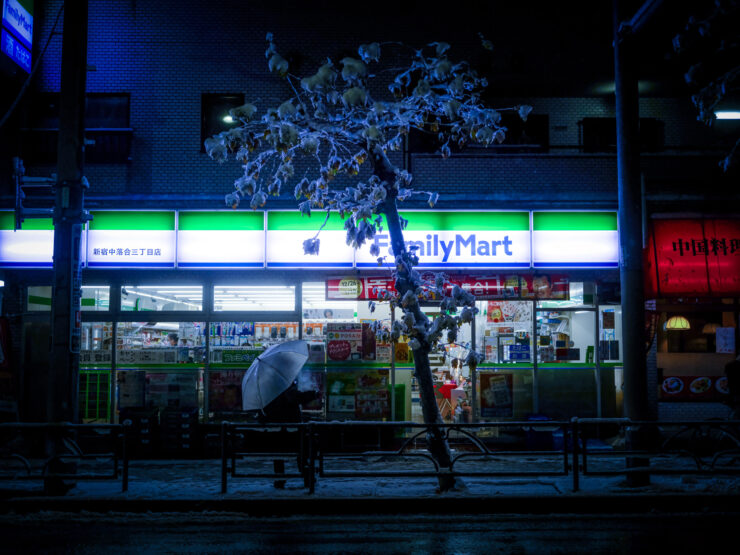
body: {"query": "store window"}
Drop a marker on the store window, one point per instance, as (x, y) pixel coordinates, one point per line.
(579, 293)
(505, 331)
(600, 134)
(139, 298)
(96, 352)
(566, 336)
(695, 332)
(94, 298)
(215, 116)
(259, 298)
(610, 333)
(160, 370)
(38, 298)
(107, 128)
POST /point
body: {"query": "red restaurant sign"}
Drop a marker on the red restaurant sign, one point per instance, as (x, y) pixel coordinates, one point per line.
(484, 287)
(693, 257)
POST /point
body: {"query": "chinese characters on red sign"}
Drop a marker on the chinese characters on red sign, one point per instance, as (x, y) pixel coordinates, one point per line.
(693, 257)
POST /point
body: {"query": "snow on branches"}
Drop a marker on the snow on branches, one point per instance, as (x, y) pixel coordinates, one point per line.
(339, 124)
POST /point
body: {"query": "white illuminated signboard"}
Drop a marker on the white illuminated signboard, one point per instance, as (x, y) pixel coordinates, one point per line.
(131, 240)
(455, 240)
(575, 240)
(286, 232)
(18, 20)
(221, 239)
(16, 35)
(33, 248)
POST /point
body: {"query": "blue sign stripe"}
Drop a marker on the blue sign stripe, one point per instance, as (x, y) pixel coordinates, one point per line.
(503, 265)
(131, 264)
(220, 264)
(12, 48)
(309, 264)
(7, 264)
(576, 264)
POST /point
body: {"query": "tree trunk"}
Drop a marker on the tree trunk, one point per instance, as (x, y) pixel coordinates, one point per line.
(438, 446)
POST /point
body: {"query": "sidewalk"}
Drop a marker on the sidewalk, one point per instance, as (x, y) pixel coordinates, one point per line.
(193, 485)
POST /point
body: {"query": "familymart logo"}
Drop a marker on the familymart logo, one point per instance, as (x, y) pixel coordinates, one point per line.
(461, 245)
(459, 239)
(489, 249)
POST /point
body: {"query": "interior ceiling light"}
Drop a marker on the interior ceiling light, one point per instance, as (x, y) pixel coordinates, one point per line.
(677, 323)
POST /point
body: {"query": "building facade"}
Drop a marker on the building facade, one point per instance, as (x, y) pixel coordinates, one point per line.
(161, 77)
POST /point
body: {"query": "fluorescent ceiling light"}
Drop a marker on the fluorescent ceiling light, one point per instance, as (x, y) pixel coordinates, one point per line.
(727, 114)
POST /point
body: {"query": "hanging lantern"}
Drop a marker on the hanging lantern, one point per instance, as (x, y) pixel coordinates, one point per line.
(677, 323)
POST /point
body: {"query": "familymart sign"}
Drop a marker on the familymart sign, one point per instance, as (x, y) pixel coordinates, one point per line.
(459, 240)
(274, 239)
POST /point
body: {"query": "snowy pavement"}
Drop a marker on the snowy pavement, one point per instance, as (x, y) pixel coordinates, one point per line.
(189, 481)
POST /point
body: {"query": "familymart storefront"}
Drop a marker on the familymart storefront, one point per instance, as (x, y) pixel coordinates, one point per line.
(176, 305)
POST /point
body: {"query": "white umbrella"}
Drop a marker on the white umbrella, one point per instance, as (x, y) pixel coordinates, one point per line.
(272, 373)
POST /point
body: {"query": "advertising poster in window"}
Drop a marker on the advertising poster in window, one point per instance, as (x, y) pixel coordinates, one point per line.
(344, 341)
(360, 394)
(726, 340)
(496, 395)
(172, 390)
(694, 388)
(131, 388)
(556, 287)
(225, 390)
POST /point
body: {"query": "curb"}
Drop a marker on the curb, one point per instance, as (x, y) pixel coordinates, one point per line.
(519, 504)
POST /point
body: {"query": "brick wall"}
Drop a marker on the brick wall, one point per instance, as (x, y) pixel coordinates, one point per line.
(692, 411)
(164, 55)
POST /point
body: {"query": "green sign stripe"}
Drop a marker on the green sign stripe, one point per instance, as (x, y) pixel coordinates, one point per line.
(467, 221)
(575, 221)
(229, 221)
(87, 302)
(150, 221)
(295, 221)
(37, 224)
(28, 5)
(7, 222)
(34, 299)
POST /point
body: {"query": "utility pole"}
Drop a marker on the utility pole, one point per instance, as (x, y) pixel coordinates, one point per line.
(69, 217)
(630, 239)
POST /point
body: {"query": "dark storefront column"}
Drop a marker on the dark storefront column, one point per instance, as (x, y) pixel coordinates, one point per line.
(630, 235)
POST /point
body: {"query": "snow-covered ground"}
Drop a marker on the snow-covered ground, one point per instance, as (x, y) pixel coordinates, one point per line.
(201, 479)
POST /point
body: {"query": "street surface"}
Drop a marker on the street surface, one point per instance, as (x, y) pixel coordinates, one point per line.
(230, 533)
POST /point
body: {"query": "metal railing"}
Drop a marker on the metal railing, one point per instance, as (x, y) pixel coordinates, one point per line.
(17, 448)
(671, 444)
(313, 450)
(711, 446)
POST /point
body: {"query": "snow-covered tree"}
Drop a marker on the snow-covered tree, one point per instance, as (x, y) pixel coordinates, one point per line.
(354, 113)
(709, 46)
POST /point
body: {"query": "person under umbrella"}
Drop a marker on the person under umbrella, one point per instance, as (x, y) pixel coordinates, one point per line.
(269, 387)
(286, 407)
